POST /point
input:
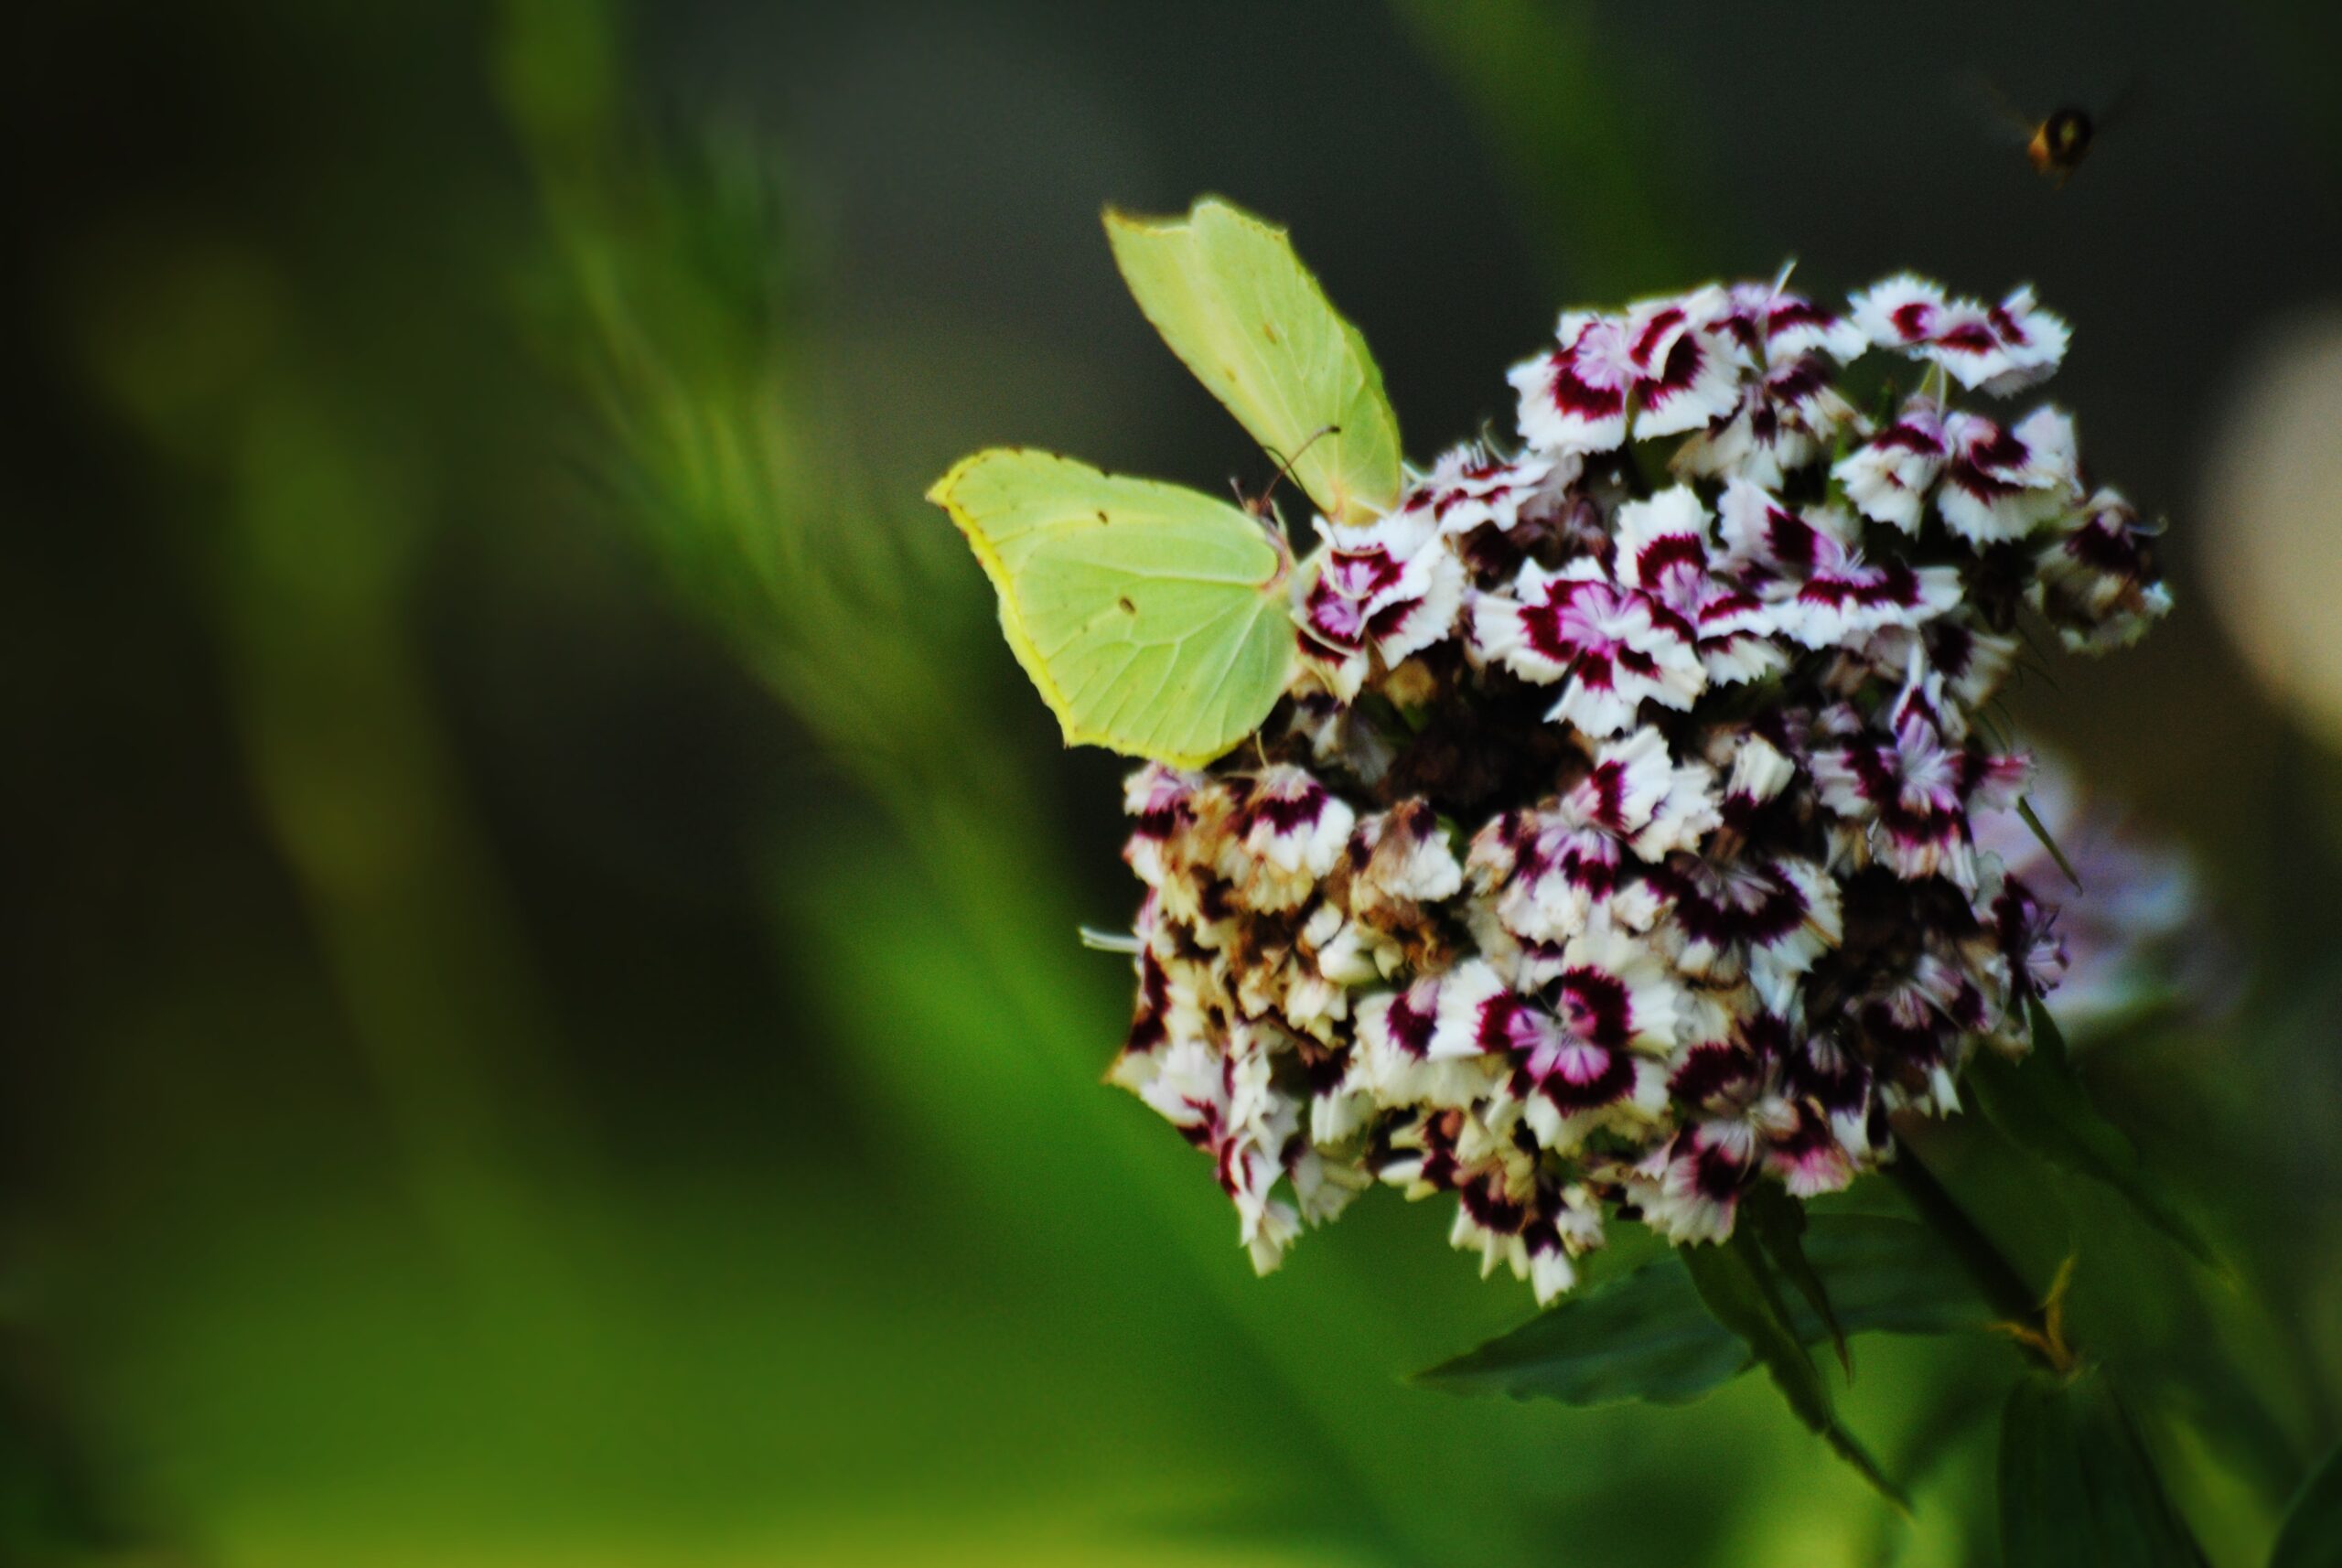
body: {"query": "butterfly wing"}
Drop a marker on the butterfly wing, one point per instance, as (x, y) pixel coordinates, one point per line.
(1236, 304)
(1154, 620)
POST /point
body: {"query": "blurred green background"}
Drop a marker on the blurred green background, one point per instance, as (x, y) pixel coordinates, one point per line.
(544, 1026)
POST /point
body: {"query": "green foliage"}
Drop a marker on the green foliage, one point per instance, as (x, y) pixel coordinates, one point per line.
(2078, 1486)
(2040, 830)
(1737, 1286)
(675, 311)
(1642, 1335)
(2311, 1536)
(1646, 1334)
(1779, 1223)
(2040, 1103)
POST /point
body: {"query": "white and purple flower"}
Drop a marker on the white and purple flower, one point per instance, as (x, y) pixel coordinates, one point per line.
(1993, 348)
(1811, 567)
(1912, 788)
(1890, 475)
(1621, 851)
(2100, 584)
(1611, 644)
(1662, 367)
(1383, 592)
(2003, 483)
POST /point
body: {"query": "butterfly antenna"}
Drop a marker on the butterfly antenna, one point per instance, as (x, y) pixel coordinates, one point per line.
(1284, 466)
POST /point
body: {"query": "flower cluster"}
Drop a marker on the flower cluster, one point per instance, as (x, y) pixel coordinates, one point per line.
(1615, 847)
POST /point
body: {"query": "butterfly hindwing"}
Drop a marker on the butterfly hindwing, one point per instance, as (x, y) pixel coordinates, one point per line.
(1153, 619)
(1236, 304)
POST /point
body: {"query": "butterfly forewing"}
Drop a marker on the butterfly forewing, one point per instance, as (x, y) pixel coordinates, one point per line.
(1152, 619)
(1235, 304)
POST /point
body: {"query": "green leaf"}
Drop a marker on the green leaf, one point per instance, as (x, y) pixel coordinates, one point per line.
(1733, 1280)
(1887, 1276)
(2311, 1536)
(2078, 1486)
(1778, 1221)
(2040, 1104)
(2214, 1396)
(1236, 304)
(1645, 1335)
(2033, 820)
(1638, 1335)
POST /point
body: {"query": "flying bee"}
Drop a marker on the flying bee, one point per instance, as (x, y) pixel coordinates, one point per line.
(2059, 142)
(2055, 144)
